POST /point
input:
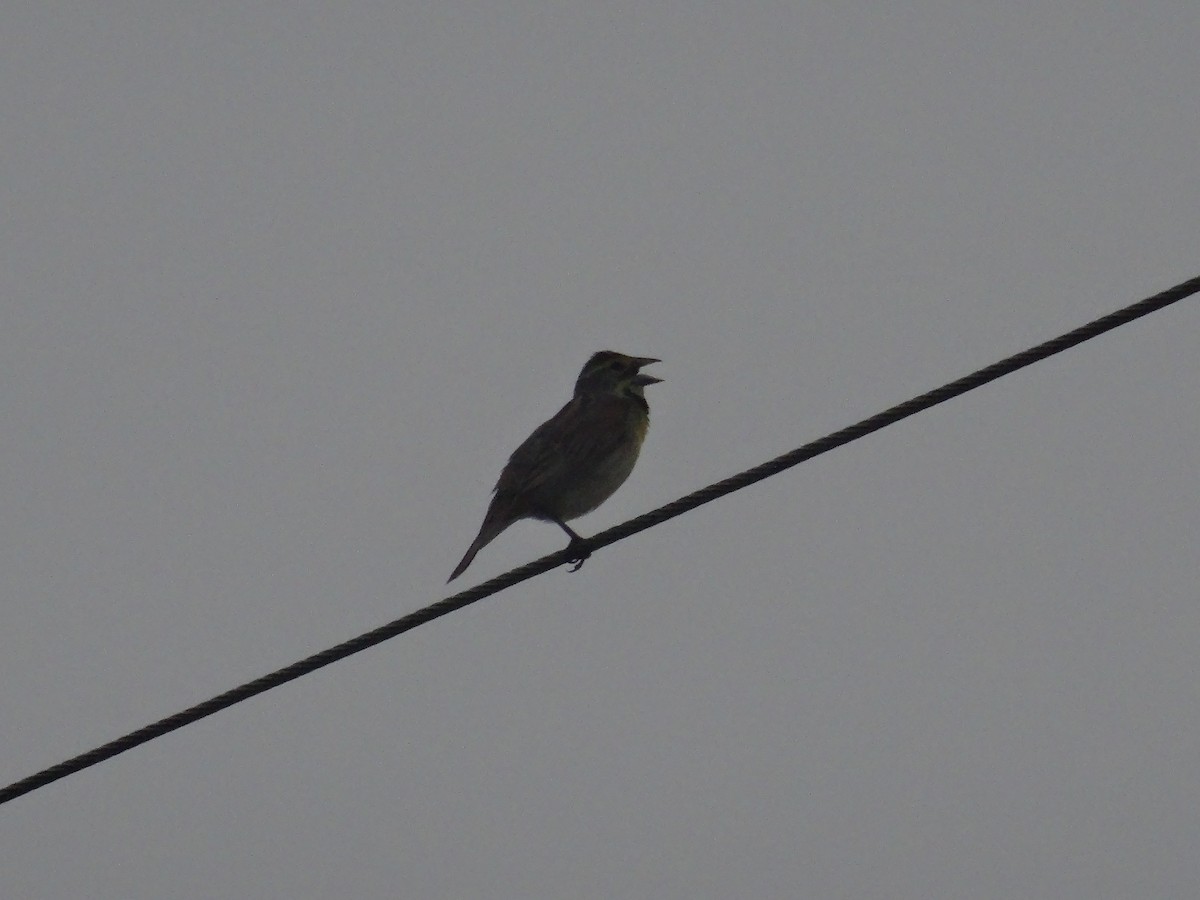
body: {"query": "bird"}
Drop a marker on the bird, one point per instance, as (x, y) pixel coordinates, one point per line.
(577, 459)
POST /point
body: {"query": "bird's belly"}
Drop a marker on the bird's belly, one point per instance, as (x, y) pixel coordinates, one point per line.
(591, 490)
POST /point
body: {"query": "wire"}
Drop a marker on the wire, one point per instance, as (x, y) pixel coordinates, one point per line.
(603, 539)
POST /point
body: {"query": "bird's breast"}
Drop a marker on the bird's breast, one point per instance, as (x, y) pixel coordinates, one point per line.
(592, 485)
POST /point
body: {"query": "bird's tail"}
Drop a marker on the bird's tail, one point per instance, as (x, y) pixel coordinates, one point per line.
(488, 532)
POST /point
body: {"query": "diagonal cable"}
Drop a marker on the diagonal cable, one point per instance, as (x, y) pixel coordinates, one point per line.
(603, 539)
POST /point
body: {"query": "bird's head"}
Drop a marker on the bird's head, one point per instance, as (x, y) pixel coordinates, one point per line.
(614, 373)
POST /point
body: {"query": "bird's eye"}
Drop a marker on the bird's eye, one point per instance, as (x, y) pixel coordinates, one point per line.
(616, 365)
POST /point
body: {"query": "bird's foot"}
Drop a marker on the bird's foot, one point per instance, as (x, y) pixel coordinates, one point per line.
(579, 554)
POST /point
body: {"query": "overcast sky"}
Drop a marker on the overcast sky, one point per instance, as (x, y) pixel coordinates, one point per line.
(283, 285)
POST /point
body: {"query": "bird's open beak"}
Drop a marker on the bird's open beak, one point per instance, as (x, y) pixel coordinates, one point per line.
(642, 378)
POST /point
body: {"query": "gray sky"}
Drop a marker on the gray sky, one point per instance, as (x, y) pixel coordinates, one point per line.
(282, 287)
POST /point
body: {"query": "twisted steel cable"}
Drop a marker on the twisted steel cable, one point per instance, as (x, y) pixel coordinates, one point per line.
(604, 538)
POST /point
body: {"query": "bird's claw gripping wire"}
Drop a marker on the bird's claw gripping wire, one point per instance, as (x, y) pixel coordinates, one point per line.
(579, 554)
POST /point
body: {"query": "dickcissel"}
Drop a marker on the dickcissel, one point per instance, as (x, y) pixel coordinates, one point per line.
(576, 460)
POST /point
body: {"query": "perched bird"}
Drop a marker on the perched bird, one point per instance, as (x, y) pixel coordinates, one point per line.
(576, 460)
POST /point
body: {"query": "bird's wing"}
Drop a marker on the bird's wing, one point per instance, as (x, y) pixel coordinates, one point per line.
(574, 440)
